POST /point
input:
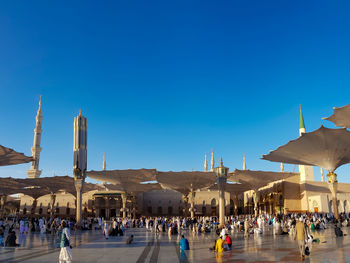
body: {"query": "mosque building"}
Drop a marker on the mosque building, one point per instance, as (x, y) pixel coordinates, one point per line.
(299, 193)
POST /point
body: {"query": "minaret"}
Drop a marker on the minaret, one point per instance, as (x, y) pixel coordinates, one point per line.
(306, 171)
(34, 171)
(205, 163)
(104, 162)
(212, 162)
(282, 168)
(244, 163)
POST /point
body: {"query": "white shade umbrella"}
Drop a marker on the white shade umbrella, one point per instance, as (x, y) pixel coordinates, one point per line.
(185, 182)
(257, 179)
(324, 147)
(10, 157)
(340, 116)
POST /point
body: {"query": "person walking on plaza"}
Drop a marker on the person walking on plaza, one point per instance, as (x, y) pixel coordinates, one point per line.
(184, 245)
(246, 227)
(65, 253)
(300, 237)
(105, 229)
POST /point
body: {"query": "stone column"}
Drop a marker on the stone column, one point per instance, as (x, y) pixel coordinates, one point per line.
(3, 202)
(124, 204)
(52, 204)
(256, 199)
(333, 187)
(79, 183)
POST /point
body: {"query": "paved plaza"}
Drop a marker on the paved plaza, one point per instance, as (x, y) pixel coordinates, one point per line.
(91, 246)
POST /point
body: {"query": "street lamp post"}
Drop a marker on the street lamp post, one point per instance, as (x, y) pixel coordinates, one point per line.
(221, 175)
(80, 160)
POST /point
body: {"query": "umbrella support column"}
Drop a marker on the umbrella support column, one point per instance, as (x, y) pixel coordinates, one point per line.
(333, 187)
(78, 187)
(185, 199)
(192, 209)
(124, 205)
(52, 204)
(3, 202)
(134, 206)
(222, 203)
(34, 205)
(221, 179)
(256, 208)
(235, 204)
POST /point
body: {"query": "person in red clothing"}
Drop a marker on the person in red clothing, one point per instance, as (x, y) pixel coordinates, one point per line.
(228, 241)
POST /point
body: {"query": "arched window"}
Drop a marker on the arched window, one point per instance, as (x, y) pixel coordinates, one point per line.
(170, 210)
(213, 202)
(24, 211)
(160, 210)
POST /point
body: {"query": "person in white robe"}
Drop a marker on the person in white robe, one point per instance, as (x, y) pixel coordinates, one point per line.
(65, 253)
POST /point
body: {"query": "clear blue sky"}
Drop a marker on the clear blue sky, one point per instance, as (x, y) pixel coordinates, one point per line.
(163, 82)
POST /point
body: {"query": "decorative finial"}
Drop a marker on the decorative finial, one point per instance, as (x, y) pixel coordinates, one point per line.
(80, 113)
(221, 163)
(244, 163)
(282, 167)
(40, 102)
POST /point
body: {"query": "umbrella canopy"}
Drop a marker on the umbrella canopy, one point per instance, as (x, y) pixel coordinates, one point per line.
(257, 179)
(340, 116)
(326, 148)
(10, 157)
(233, 188)
(184, 182)
(9, 186)
(127, 180)
(36, 187)
(133, 187)
(123, 176)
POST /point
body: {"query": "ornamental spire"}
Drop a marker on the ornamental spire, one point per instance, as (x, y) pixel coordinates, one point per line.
(212, 162)
(302, 124)
(104, 162)
(34, 171)
(244, 163)
(205, 163)
(282, 168)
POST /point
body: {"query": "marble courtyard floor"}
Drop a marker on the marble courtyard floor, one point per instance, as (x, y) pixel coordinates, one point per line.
(90, 246)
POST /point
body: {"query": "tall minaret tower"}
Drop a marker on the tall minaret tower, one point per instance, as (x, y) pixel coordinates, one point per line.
(205, 163)
(306, 171)
(34, 171)
(244, 163)
(104, 162)
(212, 162)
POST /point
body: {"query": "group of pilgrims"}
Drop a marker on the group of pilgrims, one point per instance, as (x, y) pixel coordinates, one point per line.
(249, 225)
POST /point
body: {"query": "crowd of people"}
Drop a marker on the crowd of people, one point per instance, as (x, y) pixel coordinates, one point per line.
(299, 226)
